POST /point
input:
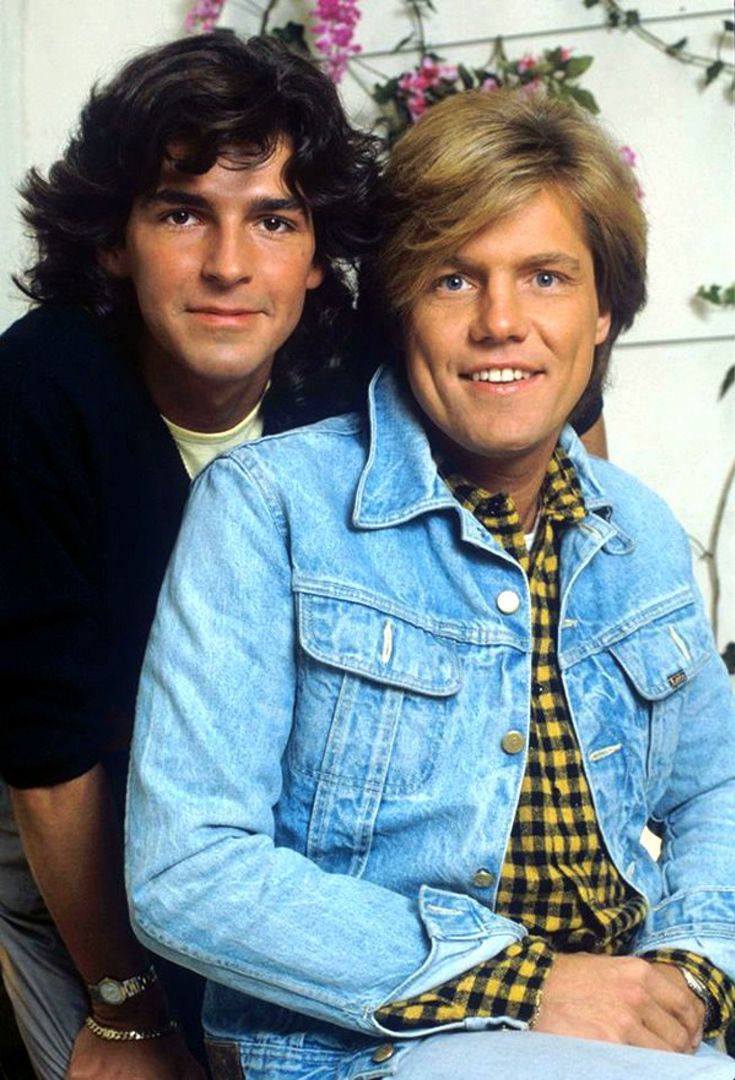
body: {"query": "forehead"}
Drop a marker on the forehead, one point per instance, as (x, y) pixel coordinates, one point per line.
(242, 166)
(548, 220)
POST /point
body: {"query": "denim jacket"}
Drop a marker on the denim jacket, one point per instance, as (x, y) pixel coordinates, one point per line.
(319, 764)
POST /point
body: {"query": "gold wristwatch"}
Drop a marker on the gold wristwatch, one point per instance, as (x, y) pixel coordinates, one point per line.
(109, 991)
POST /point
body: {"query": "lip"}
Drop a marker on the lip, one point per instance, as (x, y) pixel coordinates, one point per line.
(222, 315)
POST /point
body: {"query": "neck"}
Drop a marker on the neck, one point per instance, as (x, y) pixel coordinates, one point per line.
(195, 403)
(520, 476)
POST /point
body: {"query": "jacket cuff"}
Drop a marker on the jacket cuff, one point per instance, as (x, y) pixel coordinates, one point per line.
(506, 989)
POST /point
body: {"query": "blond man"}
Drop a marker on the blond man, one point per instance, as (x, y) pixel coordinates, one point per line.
(420, 717)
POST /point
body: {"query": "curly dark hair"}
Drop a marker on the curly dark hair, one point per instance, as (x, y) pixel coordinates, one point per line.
(209, 93)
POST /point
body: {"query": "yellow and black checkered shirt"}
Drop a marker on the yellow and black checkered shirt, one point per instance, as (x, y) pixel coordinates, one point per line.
(558, 880)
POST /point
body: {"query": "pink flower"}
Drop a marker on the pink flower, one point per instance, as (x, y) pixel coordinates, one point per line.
(203, 15)
(417, 105)
(334, 30)
(427, 75)
(490, 83)
(526, 63)
(532, 87)
(629, 156)
(565, 54)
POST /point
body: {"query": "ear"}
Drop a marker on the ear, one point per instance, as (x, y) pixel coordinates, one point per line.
(315, 276)
(604, 320)
(114, 261)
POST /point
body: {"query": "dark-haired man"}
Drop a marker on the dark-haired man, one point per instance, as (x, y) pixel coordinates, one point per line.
(421, 728)
(188, 299)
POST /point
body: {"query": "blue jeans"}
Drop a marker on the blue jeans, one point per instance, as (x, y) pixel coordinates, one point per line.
(477, 1055)
(531, 1055)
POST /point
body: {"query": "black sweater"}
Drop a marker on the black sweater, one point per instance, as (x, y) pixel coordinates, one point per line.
(92, 490)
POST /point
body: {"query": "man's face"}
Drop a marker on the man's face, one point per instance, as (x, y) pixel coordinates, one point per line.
(499, 346)
(220, 264)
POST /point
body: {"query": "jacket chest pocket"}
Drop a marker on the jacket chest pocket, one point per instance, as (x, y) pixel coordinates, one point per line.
(373, 696)
(659, 659)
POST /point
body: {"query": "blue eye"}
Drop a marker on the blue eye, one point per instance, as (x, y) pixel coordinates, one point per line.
(545, 278)
(452, 282)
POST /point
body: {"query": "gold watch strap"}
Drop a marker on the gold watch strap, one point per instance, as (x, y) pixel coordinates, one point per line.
(109, 991)
(130, 1034)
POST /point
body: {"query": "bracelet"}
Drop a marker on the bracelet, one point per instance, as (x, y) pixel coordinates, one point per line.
(128, 1035)
(536, 1007)
(699, 990)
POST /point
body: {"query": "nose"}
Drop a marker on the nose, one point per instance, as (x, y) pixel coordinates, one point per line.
(499, 314)
(227, 257)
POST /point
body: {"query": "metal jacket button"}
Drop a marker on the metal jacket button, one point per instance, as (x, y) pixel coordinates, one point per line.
(483, 879)
(513, 742)
(383, 1052)
(508, 601)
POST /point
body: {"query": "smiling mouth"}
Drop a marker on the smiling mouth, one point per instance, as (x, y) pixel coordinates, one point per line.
(499, 375)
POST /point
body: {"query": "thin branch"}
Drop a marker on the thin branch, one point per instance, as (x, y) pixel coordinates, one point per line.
(267, 12)
(714, 540)
(683, 55)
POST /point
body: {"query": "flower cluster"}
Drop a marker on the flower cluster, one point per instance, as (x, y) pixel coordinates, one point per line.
(404, 98)
(334, 30)
(203, 15)
(428, 78)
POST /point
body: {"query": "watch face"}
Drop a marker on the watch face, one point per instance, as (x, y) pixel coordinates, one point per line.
(111, 992)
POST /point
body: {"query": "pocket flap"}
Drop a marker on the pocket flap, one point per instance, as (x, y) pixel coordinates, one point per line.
(663, 655)
(365, 641)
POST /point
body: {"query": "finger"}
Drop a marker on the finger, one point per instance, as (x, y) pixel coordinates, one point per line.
(670, 990)
(666, 1029)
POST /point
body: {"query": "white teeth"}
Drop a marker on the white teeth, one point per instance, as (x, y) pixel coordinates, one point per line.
(505, 374)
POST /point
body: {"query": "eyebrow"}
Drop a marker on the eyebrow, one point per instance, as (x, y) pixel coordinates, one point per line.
(553, 258)
(262, 205)
(543, 258)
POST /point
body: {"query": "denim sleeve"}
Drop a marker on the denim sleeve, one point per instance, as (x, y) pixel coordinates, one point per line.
(208, 886)
(697, 816)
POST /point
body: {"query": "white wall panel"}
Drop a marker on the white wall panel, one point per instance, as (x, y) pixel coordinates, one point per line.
(665, 423)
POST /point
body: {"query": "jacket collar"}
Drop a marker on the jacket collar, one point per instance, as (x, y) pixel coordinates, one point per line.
(400, 479)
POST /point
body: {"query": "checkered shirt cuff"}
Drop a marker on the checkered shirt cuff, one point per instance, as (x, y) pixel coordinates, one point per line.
(720, 988)
(506, 987)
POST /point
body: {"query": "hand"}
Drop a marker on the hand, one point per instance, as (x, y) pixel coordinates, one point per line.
(151, 1059)
(620, 999)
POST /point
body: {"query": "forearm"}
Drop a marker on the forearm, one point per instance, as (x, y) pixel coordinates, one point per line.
(73, 843)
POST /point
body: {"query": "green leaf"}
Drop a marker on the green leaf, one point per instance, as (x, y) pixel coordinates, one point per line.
(729, 26)
(709, 293)
(404, 41)
(466, 76)
(591, 3)
(582, 97)
(727, 381)
(672, 50)
(385, 92)
(577, 65)
(713, 71)
(292, 35)
(728, 297)
(729, 657)
(632, 18)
